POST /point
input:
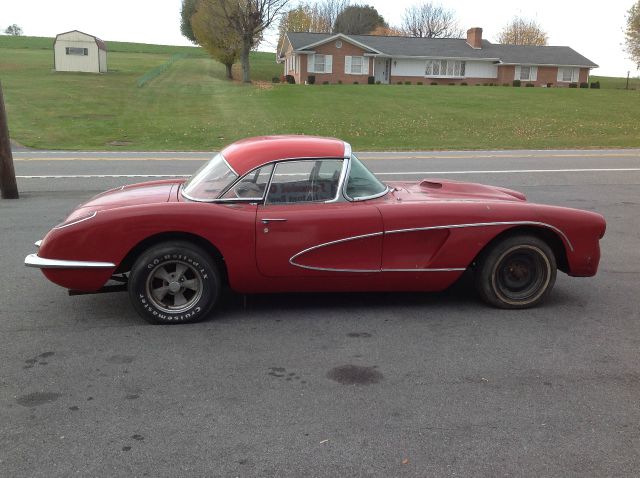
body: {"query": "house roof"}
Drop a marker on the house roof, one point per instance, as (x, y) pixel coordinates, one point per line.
(101, 44)
(397, 46)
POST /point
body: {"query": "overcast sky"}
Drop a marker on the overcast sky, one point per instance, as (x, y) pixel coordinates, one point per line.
(593, 29)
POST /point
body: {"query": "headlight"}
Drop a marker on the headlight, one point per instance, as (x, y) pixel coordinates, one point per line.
(73, 219)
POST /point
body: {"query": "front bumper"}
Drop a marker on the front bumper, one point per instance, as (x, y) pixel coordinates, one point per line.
(33, 260)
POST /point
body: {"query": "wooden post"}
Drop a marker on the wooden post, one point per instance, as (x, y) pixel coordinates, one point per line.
(8, 186)
(628, 72)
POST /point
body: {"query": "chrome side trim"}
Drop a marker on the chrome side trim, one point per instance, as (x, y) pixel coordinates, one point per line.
(228, 165)
(413, 229)
(341, 181)
(347, 150)
(77, 221)
(38, 243)
(482, 224)
(33, 260)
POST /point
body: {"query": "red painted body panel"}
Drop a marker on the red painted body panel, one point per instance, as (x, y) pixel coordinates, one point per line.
(380, 244)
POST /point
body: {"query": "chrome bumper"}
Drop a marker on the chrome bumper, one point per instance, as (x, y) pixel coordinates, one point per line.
(33, 260)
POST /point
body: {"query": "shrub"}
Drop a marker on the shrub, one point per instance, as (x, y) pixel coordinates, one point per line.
(290, 79)
(407, 82)
(485, 84)
(517, 83)
(325, 82)
(549, 85)
(339, 82)
(378, 82)
(595, 85)
(506, 84)
(355, 83)
(434, 83)
(371, 80)
(490, 84)
(275, 79)
(573, 85)
(464, 83)
(584, 84)
(418, 83)
(452, 84)
(399, 82)
(311, 79)
(529, 85)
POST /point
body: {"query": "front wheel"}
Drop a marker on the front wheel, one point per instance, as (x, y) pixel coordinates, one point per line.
(516, 273)
(173, 283)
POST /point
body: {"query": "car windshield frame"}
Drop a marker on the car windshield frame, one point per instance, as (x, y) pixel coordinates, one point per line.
(217, 165)
(354, 160)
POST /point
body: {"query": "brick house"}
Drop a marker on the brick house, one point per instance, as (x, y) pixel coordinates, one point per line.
(393, 59)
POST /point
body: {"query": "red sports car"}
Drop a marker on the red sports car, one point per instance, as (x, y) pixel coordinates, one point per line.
(299, 213)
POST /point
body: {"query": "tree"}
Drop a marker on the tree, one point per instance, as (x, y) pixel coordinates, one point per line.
(13, 30)
(387, 31)
(186, 12)
(632, 34)
(327, 13)
(521, 31)
(296, 20)
(248, 19)
(429, 20)
(214, 35)
(358, 20)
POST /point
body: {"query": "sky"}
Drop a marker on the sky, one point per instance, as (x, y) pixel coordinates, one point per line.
(595, 31)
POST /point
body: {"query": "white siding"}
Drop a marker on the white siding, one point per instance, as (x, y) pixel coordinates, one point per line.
(103, 60)
(473, 69)
(481, 69)
(407, 67)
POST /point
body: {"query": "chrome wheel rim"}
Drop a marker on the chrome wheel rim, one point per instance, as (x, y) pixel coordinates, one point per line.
(174, 286)
(521, 275)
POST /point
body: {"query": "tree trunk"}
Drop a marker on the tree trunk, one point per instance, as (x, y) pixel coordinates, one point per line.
(229, 74)
(8, 186)
(244, 59)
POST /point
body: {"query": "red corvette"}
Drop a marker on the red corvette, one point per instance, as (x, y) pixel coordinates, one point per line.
(297, 213)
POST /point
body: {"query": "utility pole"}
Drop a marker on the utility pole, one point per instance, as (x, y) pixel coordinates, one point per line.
(8, 186)
(627, 80)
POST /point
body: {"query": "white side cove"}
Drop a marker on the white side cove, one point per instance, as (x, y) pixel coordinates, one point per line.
(416, 67)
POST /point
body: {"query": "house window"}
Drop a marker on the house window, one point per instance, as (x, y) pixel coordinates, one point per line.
(319, 63)
(569, 75)
(525, 73)
(70, 50)
(445, 68)
(356, 65)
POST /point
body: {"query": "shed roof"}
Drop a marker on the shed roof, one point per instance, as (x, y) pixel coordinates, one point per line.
(101, 44)
(398, 46)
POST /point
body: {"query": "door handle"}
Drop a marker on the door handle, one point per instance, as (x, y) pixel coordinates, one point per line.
(268, 220)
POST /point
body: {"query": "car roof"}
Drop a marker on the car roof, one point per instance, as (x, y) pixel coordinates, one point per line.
(250, 153)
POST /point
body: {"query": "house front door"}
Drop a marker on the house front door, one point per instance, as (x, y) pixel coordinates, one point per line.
(383, 65)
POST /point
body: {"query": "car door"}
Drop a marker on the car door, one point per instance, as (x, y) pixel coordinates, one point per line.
(304, 228)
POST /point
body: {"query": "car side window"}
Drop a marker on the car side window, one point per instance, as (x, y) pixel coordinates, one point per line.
(305, 181)
(252, 185)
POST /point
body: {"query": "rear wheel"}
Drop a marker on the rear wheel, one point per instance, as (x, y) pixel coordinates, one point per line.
(174, 283)
(516, 273)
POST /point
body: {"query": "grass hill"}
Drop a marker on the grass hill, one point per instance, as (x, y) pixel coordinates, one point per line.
(191, 106)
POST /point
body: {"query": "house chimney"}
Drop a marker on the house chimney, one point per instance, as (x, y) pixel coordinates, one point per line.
(474, 37)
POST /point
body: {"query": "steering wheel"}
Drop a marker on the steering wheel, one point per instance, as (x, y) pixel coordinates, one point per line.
(247, 190)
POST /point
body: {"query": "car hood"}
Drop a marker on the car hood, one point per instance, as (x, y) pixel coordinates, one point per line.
(445, 189)
(151, 192)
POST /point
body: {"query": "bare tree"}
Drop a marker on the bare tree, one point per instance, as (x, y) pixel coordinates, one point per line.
(521, 31)
(327, 13)
(429, 20)
(248, 19)
(632, 33)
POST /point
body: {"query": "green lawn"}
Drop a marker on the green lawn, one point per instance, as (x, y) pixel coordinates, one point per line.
(192, 107)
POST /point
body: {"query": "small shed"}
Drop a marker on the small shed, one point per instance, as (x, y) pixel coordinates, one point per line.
(78, 51)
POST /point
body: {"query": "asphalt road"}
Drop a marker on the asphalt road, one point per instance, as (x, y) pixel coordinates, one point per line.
(437, 384)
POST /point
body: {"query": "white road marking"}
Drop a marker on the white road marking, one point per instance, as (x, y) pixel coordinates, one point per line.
(407, 173)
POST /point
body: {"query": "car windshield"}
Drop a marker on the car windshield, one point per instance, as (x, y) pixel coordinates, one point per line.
(362, 183)
(209, 181)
